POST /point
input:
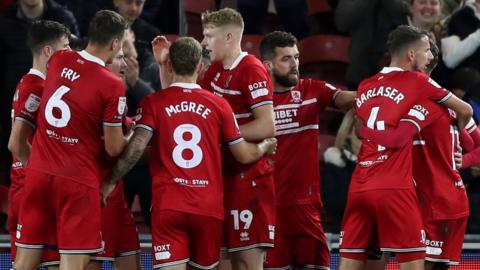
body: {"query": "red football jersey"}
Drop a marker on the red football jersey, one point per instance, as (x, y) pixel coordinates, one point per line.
(246, 86)
(381, 102)
(25, 105)
(189, 124)
(439, 184)
(80, 96)
(297, 174)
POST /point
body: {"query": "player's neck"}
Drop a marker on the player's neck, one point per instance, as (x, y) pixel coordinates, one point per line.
(98, 52)
(40, 65)
(280, 88)
(184, 79)
(231, 57)
(400, 64)
(32, 12)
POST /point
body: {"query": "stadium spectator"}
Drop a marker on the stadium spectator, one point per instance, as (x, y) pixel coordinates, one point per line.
(460, 44)
(244, 82)
(44, 38)
(188, 188)
(340, 161)
(82, 101)
(369, 23)
(369, 216)
(300, 241)
(291, 13)
(16, 58)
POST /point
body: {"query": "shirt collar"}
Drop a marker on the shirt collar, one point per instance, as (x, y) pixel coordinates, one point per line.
(237, 61)
(386, 70)
(92, 58)
(186, 85)
(37, 73)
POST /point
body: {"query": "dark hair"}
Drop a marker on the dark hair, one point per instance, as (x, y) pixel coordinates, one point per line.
(436, 54)
(105, 26)
(45, 32)
(403, 37)
(185, 54)
(273, 40)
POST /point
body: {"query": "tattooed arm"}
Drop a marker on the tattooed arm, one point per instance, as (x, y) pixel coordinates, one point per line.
(132, 153)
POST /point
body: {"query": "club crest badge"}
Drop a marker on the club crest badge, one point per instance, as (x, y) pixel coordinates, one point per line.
(296, 96)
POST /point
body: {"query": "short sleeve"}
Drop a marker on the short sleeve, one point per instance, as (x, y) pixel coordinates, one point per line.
(256, 86)
(230, 130)
(326, 93)
(115, 105)
(433, 91)
(26, 104)
(145, 117)
(422, 115)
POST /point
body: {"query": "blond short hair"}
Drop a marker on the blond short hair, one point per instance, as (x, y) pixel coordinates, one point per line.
(222, 17)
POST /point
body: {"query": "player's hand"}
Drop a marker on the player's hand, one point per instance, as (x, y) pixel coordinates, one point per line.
(457, 156)
(160, 47)
(132, 71)
(270, 145)
(107, 189)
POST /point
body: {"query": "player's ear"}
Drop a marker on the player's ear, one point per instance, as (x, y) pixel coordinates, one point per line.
(48, 51)
(268, 65)
(411, 55)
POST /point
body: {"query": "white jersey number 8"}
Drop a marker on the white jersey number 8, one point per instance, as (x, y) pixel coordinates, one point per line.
(55, 101)
(183, 145)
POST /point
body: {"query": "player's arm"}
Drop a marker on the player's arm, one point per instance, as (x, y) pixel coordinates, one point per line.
(262, 126)
(133, 152)
(18, 143)
(245, 152)
(391, 137)
(345, 99)
(462, 109)
(115, 141)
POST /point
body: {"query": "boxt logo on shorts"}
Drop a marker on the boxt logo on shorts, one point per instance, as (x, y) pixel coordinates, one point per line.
(162, 252)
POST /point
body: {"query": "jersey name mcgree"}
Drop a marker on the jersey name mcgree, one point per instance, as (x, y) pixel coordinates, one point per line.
(186, 106)
(382, 91)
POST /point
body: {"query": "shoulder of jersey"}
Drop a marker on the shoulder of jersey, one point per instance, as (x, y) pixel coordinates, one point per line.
(251, 59)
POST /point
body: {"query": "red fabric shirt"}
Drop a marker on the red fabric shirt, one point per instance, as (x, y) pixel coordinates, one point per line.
(25, 105)
(439, 184)
(189, 124)
(381, 102)
(246, 86)
(80, 96)
(297, 174)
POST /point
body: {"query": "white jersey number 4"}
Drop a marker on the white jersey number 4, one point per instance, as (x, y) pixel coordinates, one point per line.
(55, 101)
(372, 123)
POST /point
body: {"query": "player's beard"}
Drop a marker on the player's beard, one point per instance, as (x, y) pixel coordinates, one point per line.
(285, 80)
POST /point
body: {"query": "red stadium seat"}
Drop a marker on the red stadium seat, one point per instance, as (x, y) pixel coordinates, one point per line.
(3, 199)
(251, 44)
(324, 57)
(193, 11)
(172, 37)
(318, 6)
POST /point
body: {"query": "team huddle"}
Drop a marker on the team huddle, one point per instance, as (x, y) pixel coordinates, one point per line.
(233, 155)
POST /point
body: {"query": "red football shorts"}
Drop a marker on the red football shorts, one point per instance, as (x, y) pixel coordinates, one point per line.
(389, 218)
(119, 231)
(249, 213)
(300, 241)
(50, 255)
(444, 240)
(59, 210)
(179, 237)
